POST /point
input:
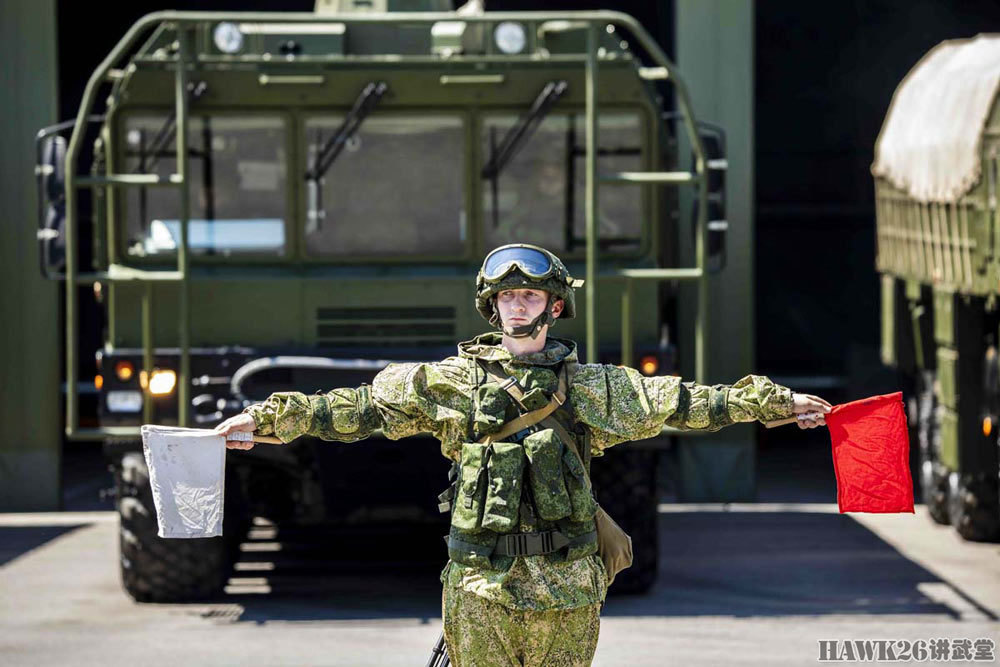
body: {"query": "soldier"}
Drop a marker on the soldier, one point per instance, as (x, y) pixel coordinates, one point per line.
(524, 583)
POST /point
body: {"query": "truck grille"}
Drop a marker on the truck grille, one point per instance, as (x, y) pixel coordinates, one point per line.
(357, 327)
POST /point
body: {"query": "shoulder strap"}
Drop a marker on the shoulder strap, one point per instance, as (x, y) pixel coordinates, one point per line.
(511, 386)
(528, 419)
(573, 443)
(508, 384)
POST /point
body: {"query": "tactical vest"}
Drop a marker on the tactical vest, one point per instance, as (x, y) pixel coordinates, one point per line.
(535, 476)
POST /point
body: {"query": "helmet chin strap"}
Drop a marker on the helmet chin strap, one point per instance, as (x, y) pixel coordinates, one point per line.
(534, 327)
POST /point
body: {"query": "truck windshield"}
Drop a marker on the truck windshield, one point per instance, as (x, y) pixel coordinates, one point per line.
(237, 183)
(397, 188)
(539, 197)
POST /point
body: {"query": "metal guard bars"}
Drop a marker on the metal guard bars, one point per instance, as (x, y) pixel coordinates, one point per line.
(184, 21)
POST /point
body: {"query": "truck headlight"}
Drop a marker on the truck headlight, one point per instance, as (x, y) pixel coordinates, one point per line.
(510, 37)
(124, 401)
(228, 37)
(162, 382)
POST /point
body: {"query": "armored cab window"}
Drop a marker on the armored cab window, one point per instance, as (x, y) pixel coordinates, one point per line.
(397, 188)
(237, 176)
(539, 196)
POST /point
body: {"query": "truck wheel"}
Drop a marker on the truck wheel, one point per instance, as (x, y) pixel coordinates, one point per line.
(973, 506)
(625, 486)
(934, 487)
(154, 569)
(933, 475)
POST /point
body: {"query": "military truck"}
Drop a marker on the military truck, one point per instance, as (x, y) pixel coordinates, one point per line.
(936, 179)
(290, 201)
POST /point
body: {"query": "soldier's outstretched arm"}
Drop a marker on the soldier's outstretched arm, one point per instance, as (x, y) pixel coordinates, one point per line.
(710, 408)
(404, 399)
(619, 404)
(345, 415)
(341, 414)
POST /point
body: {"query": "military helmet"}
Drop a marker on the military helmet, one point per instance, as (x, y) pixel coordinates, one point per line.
(523, 266)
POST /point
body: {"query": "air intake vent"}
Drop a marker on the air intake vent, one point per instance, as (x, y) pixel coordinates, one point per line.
(355, 327)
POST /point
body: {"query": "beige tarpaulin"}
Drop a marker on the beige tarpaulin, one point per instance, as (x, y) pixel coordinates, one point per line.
(929, 145)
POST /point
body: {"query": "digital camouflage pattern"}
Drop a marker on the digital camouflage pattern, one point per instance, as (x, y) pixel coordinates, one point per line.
(615, 404)
(480, 633)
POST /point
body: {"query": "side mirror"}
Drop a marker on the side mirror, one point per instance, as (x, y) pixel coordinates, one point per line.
(713, 140)
(51, 173)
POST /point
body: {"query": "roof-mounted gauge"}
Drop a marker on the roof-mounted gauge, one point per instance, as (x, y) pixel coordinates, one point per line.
(510, 37)
(228, 37)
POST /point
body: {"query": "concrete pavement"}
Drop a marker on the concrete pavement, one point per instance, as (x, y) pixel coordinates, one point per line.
(755, 584)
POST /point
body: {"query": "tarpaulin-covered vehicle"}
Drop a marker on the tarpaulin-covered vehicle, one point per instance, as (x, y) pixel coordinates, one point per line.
(936, 181)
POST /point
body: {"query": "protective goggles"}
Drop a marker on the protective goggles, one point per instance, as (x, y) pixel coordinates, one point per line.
(530, 261)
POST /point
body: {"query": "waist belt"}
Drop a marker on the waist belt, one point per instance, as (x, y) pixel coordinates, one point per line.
(524, 544)
(530, 544)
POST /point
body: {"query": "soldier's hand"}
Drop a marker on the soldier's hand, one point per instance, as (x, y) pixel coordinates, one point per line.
(807, 403)
(240, 422)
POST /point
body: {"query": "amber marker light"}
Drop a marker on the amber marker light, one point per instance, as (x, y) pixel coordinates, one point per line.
(124, 370)
(143, 379)
(162, 382)
(649, 365)
(987, 426)
(98, 382)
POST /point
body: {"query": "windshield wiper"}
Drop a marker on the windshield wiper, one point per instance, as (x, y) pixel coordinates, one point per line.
(516, 137)
(366, 101)
(158, 148)
(165, 134)
(363, 105)
(526, 125)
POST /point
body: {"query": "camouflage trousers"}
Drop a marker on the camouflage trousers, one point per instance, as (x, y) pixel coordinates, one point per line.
(480, 633)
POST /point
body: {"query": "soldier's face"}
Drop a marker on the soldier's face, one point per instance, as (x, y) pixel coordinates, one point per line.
(518, 307)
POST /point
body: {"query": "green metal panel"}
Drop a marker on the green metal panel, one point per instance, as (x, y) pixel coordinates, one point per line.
(30, 408)
(901, 345)
(918, 316)
(271, 313)
(889, 357)
(329, 311)
(223, 312)
(944, 317)
(715, 471)
(947, 363)
(959, 387)
(590, 205)
(715, 48)
(923, 342)
(949, 438)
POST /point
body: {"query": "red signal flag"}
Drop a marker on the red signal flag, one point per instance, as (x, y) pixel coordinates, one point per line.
(871, 455)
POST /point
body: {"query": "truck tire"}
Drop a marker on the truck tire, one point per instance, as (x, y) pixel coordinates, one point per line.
(154, 569)
(933, 474)
(973, 506)
(625, 486)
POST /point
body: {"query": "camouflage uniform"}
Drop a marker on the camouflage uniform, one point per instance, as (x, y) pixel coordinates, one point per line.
(529, 610)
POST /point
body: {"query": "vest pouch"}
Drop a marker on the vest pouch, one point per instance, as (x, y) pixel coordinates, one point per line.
(584, 507)
(535, 399)
(491, 409)
(504, 473)
(468, 504)
(544, 450)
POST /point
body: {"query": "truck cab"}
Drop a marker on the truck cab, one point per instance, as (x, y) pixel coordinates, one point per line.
(289, 202)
